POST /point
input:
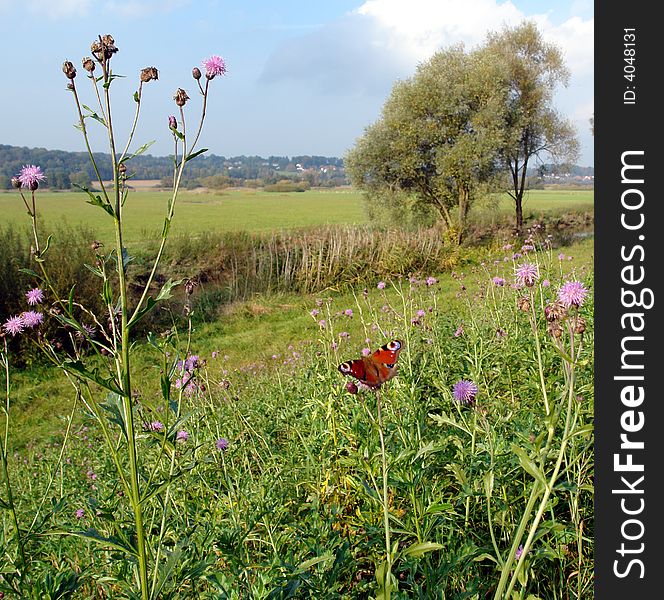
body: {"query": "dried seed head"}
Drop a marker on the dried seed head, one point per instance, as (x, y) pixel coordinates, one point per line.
(523, 303)
(148, 74)
(180, 97)
(96, 245)
(196, 73)
(555, 330)
(96, 50)
(109, 45)
(122, 169)
(88, 64)
(68, 69)
(580, 325)
(555, 311)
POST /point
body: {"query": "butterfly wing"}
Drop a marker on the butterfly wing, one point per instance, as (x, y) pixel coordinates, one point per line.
(376, 369)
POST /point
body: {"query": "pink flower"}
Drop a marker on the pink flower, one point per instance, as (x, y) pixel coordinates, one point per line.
(572, 293)
(527, 274)
(431, 281)
(30, 176)
(214, 66)
(366, 351)
(381, 285)
(348, 312)
(80, 513)
(32, 318)
(182, 436)
(34, 296)
(314, 313)
(14, 325)
(459, 331)
(221, 444)
(498, 281)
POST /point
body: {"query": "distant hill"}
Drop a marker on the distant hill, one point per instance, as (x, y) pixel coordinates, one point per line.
(63, 169)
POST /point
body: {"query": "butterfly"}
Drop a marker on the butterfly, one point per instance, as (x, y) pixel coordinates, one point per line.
(374, 370)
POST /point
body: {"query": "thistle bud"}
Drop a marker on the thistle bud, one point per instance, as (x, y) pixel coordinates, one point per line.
(555, 330)
(196, 73)
(180, 97)
(148, 74)
(122, 169)
(88, 64)
(351, 388)
(172, 123)
(68, 69)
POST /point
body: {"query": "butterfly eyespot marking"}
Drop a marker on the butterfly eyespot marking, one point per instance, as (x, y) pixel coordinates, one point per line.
(393, 345)
(345, 367)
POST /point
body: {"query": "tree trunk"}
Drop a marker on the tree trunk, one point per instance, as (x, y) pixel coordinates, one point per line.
(519, 213)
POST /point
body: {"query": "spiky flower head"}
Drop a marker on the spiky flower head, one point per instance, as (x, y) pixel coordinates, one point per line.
(182, 436)
(572, 293)
(14, 325)
(221, 444)
(465, 391)
(214, 66)
(527, 274)
(30, 176)
(32, 318)
(34, 296)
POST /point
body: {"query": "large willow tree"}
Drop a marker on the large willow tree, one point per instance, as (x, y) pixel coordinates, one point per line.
(463, 119)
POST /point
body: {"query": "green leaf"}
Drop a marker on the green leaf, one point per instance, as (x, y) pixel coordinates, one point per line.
(30, 272)
(113, 406)
(485, 556)
(420, 548)
(165, 292)
(78, 368)
(307, 564)
(94, 536)
(70, 305)
(136, 97)
(528, 464)
(93, 115)
(96, 200)
(138, 152)
(195, 154)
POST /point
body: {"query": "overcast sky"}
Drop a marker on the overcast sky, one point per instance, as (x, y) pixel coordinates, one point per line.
(304, 77)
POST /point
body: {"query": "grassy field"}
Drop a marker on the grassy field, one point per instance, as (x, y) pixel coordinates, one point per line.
(247, 210)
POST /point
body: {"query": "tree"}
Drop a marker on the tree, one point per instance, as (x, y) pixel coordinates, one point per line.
(533, 128)
(437, 139)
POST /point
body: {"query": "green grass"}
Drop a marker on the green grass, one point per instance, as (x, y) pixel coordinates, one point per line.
(242, 210)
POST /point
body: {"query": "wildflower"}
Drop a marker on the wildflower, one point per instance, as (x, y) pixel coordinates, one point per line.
(314, 313)
(343, 334)
(561, 256)
(527, 247)
(30, 176)
(334, 345)
(91, 474)
(498, 281)
(459, 331)
(156, 426)
(172, 123)
(214, 66)
(381, 285)
(351, 388)
(182, 436)
(192, 362)
(572, 293)
(431, 281)
(555, 311)
(465, 391)
(421, 312)
(32, 318)
(348, 312)
(519, 552)
(180, 97)
(507, 247)
(148, 74)
(366, 351)
(414, 321)
(501, 333)
(221, 444)
(34, 296)
(80, 513)
(322, 323)
(527, 274)
(546, 283)
(14, 325)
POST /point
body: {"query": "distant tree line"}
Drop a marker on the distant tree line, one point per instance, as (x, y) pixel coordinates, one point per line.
(65, 170)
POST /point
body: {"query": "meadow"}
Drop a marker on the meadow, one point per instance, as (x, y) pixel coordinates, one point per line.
(250, 210)
(266, 476)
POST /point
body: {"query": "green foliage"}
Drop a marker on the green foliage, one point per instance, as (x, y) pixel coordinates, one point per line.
(293, 507)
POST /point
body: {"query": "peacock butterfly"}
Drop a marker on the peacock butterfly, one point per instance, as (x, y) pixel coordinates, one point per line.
(374, 370)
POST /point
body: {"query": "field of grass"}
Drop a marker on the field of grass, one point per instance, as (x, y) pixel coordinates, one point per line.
(243, 210)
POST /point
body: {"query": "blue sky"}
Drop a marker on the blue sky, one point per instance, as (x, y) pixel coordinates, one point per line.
(303, 77)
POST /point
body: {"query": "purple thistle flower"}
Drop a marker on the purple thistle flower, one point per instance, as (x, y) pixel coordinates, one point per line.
(465, 391)
(182, 436)
(546, 283)
(30, 176)
(431, 281)
(459, 331)
(156, 426)
(314, 313)
(80, 513)
(344, 334)
(381, 285)
(32, 318)
(572, 293)
(498, 281)
(561, 256)
(221, 444)
(192, 362)
(348, 312)
(519, 552)
(215, 65)
(14, 325)
(421, 312)
(366, 351)
(34, 296)
(527, 274)
(322, 323)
